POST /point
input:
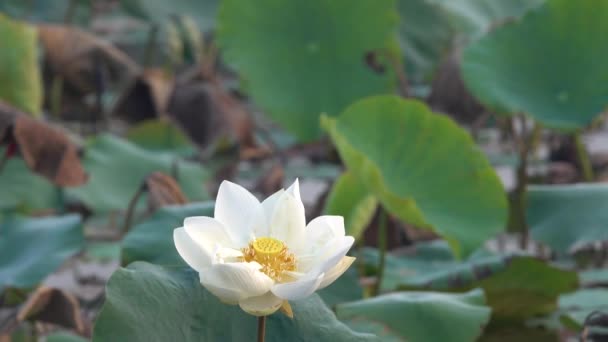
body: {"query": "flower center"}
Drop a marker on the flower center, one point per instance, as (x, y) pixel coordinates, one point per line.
(273, 255)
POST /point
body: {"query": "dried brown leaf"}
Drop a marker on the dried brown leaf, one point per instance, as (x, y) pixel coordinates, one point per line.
(163, 190)
(46, 149)
(208, 113)
(76, 55)
(52, 306)
(147, 97)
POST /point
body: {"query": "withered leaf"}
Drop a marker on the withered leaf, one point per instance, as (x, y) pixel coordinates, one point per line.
(46, 149)
(207, 113)
(52, 306)
(77, 56)
(147, 97)
(163, 190)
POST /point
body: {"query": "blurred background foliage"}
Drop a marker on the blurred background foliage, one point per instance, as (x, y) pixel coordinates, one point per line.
(464, 142)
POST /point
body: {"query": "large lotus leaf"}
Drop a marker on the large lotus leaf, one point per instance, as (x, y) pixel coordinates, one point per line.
(21, 84)
(509, 71)
(422, 167)
(21, 188)
(146, 302)
(472, 18)
(203, 11)
(30, 249)
(516, 286)
(117, 168)
(567, 215)
(420, 316)
(152, 240)
(303, 58)
(351, 199)
(424, 36)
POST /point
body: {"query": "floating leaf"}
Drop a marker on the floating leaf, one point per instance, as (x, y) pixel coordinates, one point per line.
(21, 188)
(152, 240)
(185, 311)
(349, 198)
(423, 258)
(117, 168)
(30, 249)
(19, 71)
(508, 69)
(575, 307)
(64, 337)
(516, 287)
(563, 216)
(302, 58)
(420, 316)
(422, 167)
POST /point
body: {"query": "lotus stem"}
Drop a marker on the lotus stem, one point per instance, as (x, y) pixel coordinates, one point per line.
(261, 328)
(131, 209)
(583, 158)
(382, 244)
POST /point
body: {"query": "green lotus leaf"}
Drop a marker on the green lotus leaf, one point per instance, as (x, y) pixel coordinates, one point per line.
(147, 302)
(422, 167)
(303, 58)
(32, 248)
(549, 65)
(420, 316)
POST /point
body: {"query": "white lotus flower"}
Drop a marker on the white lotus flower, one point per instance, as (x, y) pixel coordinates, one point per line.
(260, 255)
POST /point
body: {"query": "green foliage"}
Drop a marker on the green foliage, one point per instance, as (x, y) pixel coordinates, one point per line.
(44, 10)
(568, 215)
(161, 136)
(152, 240)
(473, 18)
(420, 316)
(178, 308)
(350, 199)
(422, 167)
(64, 337)
(424, 36)
(517, 287)
(303, 58)
(32, 248)
(117, 168)
(21, 84)
(575, 307)
(23, 189)
(155, 11)
(344, 289)
(550, 65)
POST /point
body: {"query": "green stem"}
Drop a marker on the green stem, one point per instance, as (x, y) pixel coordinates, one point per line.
(131, 209)
(56, 95)
(523, 143)
(261, 328)
(382, 244)
(583, 158)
